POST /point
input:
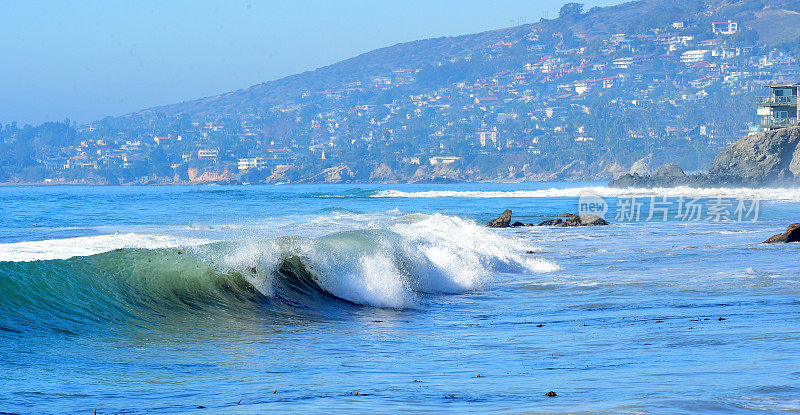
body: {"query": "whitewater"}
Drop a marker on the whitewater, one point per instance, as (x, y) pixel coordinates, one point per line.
(377, 298)
(779, 194)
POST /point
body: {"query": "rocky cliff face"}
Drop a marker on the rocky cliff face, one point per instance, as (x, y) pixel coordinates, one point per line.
(761, 158)
(765, 159)
(198, 177)
(336, 174)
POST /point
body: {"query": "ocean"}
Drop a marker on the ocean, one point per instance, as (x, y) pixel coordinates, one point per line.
(388, 298)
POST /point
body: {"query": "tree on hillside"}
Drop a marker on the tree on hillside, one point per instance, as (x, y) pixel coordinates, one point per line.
(570, 10)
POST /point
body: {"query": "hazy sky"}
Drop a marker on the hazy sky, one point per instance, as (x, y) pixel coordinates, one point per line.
(88, 59)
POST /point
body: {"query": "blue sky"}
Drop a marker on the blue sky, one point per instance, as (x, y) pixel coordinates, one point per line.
(88, 59)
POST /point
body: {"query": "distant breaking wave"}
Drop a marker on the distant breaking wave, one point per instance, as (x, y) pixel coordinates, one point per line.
(146, 283)
(88, 245)
(778, 194)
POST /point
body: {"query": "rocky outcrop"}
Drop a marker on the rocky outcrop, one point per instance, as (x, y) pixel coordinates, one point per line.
(282, 173)
(761, 158)
(792, 234)
(642, 166)
(770, 158)
(441, 173)
(669, 171)
(613, 170)
(575, 220)
(208, 176)
(669, 175)
(383, 173)
(336, 174)
(502, 221)
(571, 171)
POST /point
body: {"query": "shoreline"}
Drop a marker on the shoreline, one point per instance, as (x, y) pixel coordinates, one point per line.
(356, 183)
(44, 184)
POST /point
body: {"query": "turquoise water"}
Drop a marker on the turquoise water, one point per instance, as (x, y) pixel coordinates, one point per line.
(378, 298)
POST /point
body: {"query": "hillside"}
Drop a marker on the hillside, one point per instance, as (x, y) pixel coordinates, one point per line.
(775, 22)
(367, 65)
(587, 95)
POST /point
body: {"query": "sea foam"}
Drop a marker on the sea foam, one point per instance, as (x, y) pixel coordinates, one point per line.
(392, 266)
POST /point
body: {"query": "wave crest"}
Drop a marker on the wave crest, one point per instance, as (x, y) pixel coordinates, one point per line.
(394, 266)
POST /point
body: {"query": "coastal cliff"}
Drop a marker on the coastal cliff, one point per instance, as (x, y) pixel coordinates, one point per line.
(770, 158)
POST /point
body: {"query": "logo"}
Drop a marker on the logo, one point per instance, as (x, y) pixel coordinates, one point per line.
(592, 204)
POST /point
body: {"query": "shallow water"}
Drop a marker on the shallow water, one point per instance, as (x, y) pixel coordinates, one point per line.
(292, 298)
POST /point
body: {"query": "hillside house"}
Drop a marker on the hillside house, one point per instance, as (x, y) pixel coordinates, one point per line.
(622, 63)
(443, 160)
(252, 163)
(486, 136)
(207, 153)
(693, 56)
(725, 28)
(779, 109)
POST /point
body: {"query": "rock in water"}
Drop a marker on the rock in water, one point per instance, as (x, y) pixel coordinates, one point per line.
(502, 221)
(576, 220)
(591, 220)
(792, 234)
(552, 222)
(668, 175)
(669, 171)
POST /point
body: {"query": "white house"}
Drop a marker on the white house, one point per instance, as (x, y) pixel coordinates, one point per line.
(694, 55)
(725, 28)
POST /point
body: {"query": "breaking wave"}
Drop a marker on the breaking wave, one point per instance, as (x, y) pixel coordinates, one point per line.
(88, 245)
(149, 280)
(777, 194)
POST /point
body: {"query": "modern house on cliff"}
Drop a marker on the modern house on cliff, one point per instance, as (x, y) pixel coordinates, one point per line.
(779, 109)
